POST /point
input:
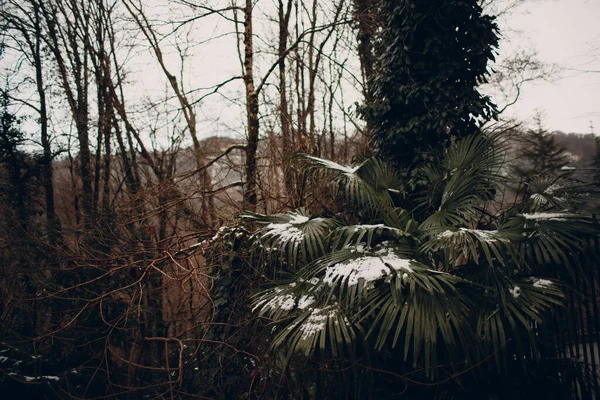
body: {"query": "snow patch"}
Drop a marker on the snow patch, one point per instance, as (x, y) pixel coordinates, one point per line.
(547, 216)
(368, 268)
(285, 232)
(515, 291)
(305, 301)
(298, 219)
(371, 226)
(284, 302)
(482, 235)
(542, 283)
(316, 321)
(36, 378)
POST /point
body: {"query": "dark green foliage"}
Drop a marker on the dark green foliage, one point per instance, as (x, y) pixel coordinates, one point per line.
(432, 55)
(456, 295)
(18, 167)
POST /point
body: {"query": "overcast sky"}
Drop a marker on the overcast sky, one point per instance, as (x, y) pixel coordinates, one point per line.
(565, 32)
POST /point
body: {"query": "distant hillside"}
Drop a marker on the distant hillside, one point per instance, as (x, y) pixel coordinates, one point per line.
(581, 146)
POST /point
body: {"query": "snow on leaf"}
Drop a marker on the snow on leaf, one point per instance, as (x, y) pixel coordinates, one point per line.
(305, 301)
(316, 321)
(515, 291)
(298, 219)
(547, 216)
(333, 165)
(542, 283)
(482, 235)
(552, 188)
(284, 302)
(285, 232)
(35, 378)
(368, 267)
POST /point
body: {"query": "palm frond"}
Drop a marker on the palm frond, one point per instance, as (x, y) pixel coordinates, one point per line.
(511, 307)
(558, 193)
(467, 178)
(365, 188)
(291, 235)
(371, 234)
(554, 238)
(463, 245)
(416, 309)
(325, 329)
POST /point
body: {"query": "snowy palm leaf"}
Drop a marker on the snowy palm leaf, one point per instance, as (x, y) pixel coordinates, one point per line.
(283, 300)
(463, 245)
(326, 329)
(318, 324)
(365, 187)
(547, 193)
(292, 235)
(371, 234)
(554, 237)
(559, 193)
(348, 274)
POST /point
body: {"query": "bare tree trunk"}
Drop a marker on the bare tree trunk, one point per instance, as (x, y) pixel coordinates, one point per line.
(250, 189)
(284, 115)
(78, 102)
(53, 225)
(187, 107)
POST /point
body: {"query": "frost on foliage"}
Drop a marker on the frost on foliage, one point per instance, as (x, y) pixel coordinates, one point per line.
(547, 216)
(316, 321)
(285, 300)
(305, 301)
(542, 283)
(515, 291)
(481, 235)
(368, 267)
(286, 231)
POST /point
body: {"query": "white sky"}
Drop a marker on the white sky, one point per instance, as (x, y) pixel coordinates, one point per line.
(565, 32)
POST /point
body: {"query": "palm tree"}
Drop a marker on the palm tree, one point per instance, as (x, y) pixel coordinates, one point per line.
(443, 279)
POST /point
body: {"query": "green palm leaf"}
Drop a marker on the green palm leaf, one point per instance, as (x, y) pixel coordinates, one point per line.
(292, 235)
(510, 306)
(416, 310)
(365, 188)
(467, 178)
(463, 245)
(554, 238)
